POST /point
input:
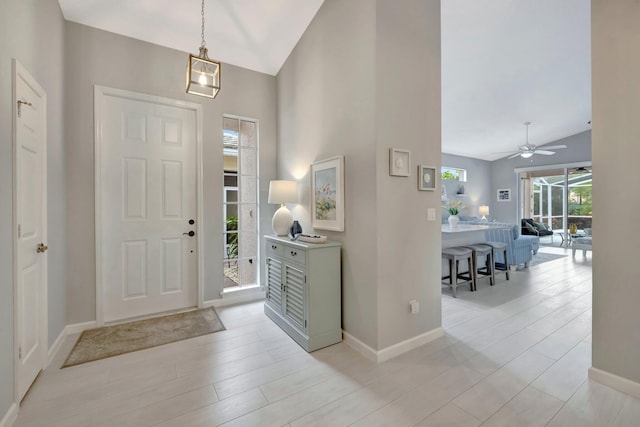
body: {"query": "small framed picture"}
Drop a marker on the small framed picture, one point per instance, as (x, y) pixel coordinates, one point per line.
(426, 178)
(327, 198)
(504, 195)
(399, 162)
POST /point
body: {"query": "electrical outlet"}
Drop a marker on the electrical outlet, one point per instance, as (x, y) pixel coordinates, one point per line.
(431, 214)
(414, 306)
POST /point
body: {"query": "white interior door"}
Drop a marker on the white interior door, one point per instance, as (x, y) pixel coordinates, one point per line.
(147, 205)
(30, 194)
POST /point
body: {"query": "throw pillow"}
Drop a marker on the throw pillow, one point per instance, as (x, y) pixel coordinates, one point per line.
(530, 228)
(540, 226)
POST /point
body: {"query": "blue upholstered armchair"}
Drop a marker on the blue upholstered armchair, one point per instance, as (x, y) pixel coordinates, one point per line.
(520, 248)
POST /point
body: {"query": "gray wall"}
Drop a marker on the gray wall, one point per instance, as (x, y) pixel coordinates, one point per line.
(332, 101)
(96, 57)
(32, 31)
(477, 189)
(616, 132)
(326, 108)
(408, 106)
(503, 176)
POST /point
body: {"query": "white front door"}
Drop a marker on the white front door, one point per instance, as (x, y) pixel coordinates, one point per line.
(147, 203)
(30, 126)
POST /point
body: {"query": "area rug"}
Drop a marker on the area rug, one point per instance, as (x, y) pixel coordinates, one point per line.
(108, 341)
(542, 257)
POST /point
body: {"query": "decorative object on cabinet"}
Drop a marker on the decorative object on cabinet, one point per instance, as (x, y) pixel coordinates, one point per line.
(316, 238)
(460, 191)
(281, 192)
(203, 74)
(484, 211)
(443, 193)
(399, 162)
(504, 195)
(426, 178)
(327, 194)
(295, 231)
(303, 291)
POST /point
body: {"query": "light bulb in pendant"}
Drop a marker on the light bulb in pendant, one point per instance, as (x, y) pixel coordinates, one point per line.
(202, 79)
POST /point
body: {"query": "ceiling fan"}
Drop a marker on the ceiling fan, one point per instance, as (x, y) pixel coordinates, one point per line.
(527, 150)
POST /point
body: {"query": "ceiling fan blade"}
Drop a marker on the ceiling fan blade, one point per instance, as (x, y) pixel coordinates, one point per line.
(513, 156)
(553, 147)
(545, 152)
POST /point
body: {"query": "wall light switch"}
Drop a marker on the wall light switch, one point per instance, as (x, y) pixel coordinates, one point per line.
(414, 306)
(431, 214)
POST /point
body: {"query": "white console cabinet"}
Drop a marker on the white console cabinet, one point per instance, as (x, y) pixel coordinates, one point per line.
(303, 290)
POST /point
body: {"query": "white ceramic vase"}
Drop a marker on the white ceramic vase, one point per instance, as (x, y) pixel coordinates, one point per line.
(453, 221)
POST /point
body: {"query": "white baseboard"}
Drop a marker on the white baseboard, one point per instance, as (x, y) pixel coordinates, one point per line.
(53, 350)
(75, 328)
(11, 416)
(393, 350)
(408, 345)
(614, 381)
(359, 346)
(237, 297)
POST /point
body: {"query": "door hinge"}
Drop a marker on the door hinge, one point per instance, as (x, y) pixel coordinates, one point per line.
(305, 279)
(19, 230)
(19, 353)
(305, 323)
(20, 107)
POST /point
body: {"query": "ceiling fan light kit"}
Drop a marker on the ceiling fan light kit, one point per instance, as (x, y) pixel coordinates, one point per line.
(527, 150)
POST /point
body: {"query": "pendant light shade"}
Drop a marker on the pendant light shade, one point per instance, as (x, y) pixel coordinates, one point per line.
(203, 74)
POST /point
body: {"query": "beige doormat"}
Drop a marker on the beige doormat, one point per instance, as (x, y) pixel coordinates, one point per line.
(108, 341)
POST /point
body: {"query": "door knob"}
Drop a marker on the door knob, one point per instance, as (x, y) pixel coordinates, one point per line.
(41, 248)
(191, 233)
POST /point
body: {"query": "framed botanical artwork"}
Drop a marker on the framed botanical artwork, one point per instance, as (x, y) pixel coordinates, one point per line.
(504, 195)
(399, 162)
(426, 178)
(327, 194)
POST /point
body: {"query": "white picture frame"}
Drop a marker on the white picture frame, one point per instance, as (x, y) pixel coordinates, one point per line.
(327, 194)
(427, 178)
(503, 195)
(399, 162)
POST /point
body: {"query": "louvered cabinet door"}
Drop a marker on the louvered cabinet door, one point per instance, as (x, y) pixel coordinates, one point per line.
(295, 296)
(303, 290)
(274, 283)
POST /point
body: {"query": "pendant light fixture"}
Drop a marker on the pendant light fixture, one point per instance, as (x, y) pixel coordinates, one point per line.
(203, 74)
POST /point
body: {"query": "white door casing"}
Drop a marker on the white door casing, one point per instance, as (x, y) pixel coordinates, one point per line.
(30, 228)
(148, 188)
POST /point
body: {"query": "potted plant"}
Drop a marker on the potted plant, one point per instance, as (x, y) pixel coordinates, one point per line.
(454, 209)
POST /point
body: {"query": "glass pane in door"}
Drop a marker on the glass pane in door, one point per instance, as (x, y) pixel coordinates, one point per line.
(240, 202)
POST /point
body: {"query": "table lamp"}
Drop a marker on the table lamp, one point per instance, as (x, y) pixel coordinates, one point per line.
(484, 211)
(282, 192)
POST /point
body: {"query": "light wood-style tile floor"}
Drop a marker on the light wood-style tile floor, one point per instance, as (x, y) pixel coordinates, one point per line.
(515, 354)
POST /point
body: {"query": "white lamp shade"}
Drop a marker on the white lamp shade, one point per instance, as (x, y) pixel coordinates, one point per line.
(281, 192)
(483, 210)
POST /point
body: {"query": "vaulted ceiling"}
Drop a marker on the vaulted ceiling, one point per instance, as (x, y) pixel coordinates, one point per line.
(504, 62)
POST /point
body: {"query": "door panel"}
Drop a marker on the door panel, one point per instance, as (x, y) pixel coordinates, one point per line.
(294, 295)
(30, 205)
(274, 283)
(134, 277)
(147, 172)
